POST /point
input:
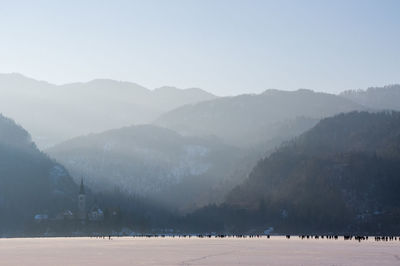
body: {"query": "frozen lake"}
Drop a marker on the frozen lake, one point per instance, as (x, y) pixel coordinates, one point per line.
(196, 251)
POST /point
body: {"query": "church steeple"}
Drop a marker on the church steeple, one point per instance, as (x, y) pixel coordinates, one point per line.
(82, 202)
(82, 188)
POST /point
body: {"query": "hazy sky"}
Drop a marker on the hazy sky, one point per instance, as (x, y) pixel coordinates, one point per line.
(226, 47)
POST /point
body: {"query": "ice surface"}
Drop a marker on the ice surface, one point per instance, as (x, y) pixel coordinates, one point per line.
(196, 251)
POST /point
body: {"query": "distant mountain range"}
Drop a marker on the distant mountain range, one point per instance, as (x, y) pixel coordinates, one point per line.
(386, 98)
(187, 171)
(218, 143)
(186, 149)
(30, 182)
(248, 120)
(54, 113)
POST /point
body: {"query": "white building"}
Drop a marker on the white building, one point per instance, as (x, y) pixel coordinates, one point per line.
(96, 214)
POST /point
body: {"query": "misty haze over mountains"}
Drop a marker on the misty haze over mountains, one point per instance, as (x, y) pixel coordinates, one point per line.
(56, 113)
(181, 172)
(152, 161)
(185, 150)
(248, 120)
(213, 132)
(386, 97)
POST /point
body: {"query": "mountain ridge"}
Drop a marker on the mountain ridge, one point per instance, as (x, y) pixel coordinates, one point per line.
(53, 113)
(386, 97)
(248, 119)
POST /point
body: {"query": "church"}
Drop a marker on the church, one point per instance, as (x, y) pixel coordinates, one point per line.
(95, 214)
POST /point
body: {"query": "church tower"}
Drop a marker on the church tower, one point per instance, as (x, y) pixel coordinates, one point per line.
(82, 202)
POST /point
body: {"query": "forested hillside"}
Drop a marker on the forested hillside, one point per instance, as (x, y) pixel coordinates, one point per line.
(181, 172)
(30, 182)
(342, 175)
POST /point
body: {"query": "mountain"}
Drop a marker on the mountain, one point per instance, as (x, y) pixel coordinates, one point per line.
(54, 113)
(248, 120)
(181, 172)
(30, 182)
(383, 98)
(340, 176)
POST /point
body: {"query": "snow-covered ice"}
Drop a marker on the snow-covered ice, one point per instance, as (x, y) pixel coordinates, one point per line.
(196, 251)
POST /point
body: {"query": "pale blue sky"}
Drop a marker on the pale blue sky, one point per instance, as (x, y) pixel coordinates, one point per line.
(224, 46)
